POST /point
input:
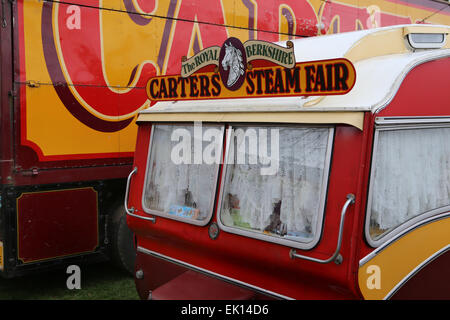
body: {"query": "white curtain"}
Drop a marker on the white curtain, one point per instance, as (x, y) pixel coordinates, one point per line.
(171, 184)
(411, 175)
(298, 184)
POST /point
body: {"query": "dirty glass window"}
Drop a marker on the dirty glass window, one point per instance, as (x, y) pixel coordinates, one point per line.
(410, 178)
(182, 171)
(275, 183)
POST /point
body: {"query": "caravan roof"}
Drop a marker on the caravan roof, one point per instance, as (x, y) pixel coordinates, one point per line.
(382, 58)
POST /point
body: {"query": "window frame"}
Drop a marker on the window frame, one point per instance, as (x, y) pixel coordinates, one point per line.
(304, 245)
(210, 214)
(393, 124)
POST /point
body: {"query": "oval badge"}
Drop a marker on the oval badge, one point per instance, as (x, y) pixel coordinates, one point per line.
(232, 64)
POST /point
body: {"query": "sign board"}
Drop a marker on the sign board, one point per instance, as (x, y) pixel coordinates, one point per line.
(235, 77)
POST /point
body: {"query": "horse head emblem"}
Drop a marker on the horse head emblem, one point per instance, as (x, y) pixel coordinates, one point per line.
(233, 59)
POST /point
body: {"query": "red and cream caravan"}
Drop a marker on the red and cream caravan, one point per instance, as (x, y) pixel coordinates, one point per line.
(329, 183)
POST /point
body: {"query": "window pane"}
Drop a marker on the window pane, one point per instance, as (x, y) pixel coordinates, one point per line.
(181, 180)
(278, 191)
(427, 37)
(411, 176)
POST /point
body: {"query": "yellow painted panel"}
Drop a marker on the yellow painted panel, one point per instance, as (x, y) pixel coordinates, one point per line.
(401, 257)
(57, 132)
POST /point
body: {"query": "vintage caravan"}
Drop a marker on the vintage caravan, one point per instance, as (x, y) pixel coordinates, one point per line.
(73, 77)
(325, 179)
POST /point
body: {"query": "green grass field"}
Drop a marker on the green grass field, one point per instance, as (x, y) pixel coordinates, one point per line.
(98, 282)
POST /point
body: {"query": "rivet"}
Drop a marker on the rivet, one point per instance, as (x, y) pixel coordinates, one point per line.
(140, 274)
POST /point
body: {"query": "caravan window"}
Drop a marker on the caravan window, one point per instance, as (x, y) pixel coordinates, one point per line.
(182, 171)
(410, 179)
(274, 183)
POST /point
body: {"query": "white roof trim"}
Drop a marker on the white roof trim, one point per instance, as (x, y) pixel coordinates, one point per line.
(379, 80)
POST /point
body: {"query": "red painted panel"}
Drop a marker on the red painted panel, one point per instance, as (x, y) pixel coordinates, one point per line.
(259, 263)
(196, 286)
(424, 92)
(56, 223)
(151, 266)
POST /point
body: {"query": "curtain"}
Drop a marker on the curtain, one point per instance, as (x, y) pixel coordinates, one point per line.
(411, 176)
(287, 202)
(172, 185)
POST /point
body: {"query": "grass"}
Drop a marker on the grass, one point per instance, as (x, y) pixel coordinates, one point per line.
(100, 281)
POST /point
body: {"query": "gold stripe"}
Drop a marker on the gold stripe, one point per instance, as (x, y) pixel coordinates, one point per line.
(381, 43)
(399, 259)
(388, 42)
(355, 119)
(1, 256)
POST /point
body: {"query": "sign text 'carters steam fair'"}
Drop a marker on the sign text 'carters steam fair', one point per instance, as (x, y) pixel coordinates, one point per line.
(235, 77)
